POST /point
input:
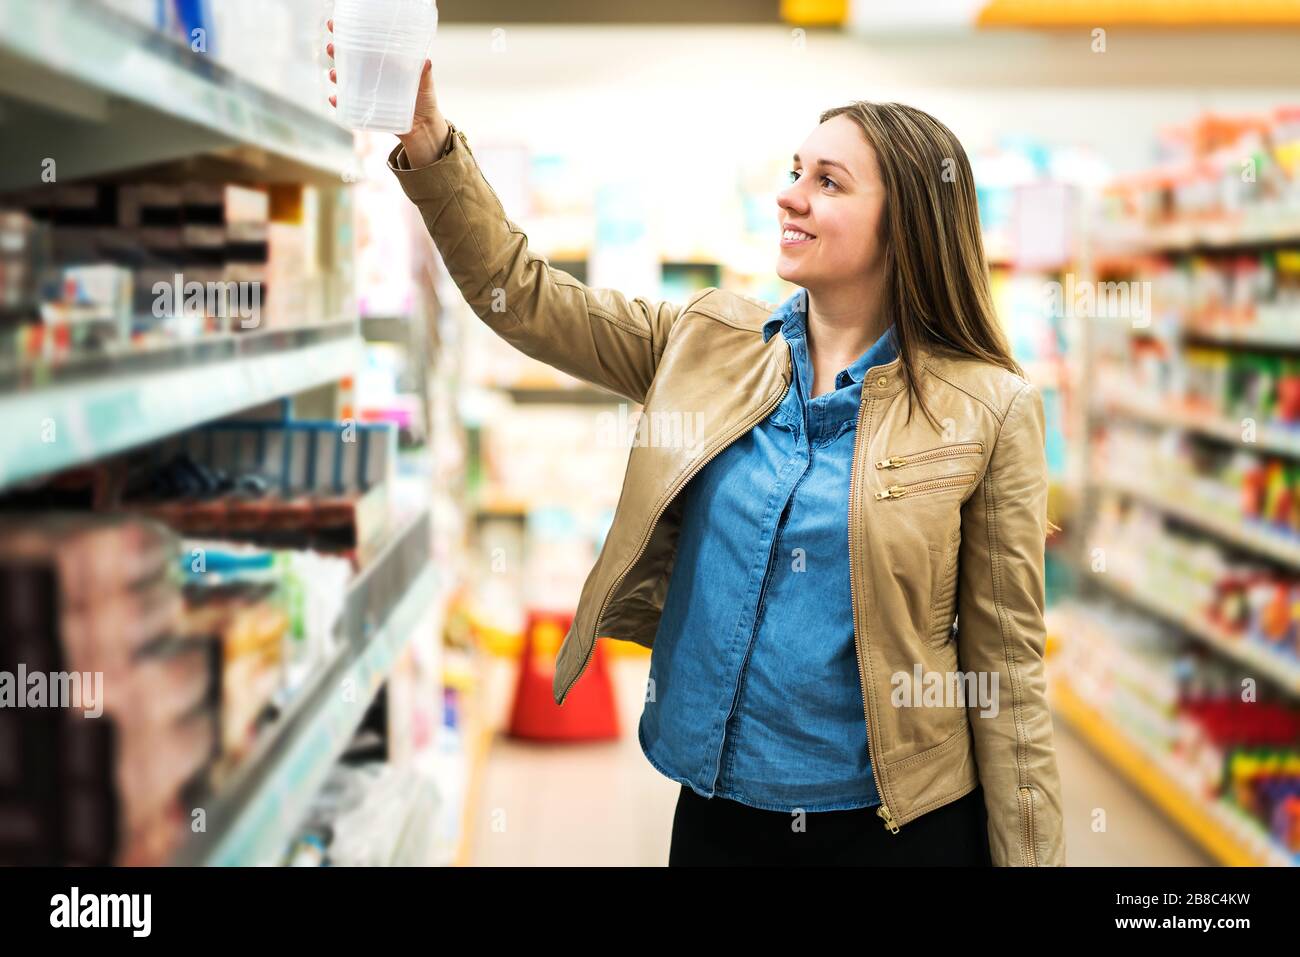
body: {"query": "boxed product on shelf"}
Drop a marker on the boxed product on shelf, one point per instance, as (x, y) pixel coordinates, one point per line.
(310, 589)
(117, 728)
(244, 630)
(154, 262)
(284, 482)
(25, 252)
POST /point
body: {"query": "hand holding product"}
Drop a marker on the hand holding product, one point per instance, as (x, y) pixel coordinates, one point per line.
(379, 48)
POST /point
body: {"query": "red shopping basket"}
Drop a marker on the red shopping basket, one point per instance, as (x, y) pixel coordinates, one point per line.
(589, 712)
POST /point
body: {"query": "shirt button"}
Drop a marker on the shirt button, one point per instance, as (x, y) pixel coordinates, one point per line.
(882, 380)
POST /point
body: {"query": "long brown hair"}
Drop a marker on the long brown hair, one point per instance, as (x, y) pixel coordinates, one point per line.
(936, 277)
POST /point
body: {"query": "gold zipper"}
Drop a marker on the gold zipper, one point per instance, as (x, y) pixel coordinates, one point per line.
(930, 485)
(929, 455)
(1027, 808)
(873, 748)
(735, 433)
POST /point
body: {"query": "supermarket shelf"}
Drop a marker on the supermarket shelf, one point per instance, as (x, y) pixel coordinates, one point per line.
(1284, 671)
(100, 92)
(581, 395)
(254, 818)
(1267, 340)
(1270, 544)
(1247, 337)
(1232, 840)
(108, 412)
(1267, 438)
(1188, 237)
(386, 328)
(499, 507)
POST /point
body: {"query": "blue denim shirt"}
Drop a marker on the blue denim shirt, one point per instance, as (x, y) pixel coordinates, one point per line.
(755, 693)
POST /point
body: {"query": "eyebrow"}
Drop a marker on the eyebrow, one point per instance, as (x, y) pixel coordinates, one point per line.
(828, 162)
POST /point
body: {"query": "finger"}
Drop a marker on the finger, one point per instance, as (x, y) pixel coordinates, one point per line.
(329, 25)
(334, 101)
(329, 48)
(333, 76)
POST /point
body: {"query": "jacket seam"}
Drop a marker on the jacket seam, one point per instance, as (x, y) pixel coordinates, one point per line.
(1008, 652)
(591, 310)
(455, 194)
(1000, 416)
(951, 547)
(615, 320)
(724, 320)
(929, 753)
(691, 305)
(622, 324)
(958, 792)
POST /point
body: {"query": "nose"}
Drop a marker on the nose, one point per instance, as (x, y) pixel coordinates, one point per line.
(789, 200)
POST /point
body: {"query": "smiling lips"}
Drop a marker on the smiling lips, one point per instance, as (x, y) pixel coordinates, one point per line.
(793, 236)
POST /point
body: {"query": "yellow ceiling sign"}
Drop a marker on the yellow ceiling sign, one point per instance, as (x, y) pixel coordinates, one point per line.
(1168, 13)
(815, 12)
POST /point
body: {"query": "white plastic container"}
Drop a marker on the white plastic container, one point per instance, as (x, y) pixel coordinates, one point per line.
(379, 52)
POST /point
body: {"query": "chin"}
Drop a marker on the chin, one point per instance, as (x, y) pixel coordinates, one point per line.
(788, 273)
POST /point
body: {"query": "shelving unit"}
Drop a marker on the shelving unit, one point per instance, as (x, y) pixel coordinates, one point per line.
(104, 96)
(1267, 438)
(100, 93)
(1261, 542)
(1285, 672)
(114, 407)
(1203, 260)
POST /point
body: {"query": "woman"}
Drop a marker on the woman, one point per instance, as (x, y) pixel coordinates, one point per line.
(844, 599)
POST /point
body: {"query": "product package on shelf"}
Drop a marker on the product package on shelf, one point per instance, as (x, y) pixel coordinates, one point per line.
(291, 483)
(107, 268)
(270, 618)
(107, 725)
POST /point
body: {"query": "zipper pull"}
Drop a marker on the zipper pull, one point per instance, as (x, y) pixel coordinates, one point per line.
(893, 462)
(894, 491)
(883, 811)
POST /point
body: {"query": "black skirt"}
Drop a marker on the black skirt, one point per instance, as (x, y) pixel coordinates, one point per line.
(720, 832)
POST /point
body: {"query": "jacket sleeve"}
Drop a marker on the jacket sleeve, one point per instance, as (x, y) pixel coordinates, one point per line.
(1001, 632)
(598, 335)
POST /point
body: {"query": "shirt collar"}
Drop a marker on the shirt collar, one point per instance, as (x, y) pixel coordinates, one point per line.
(791, 318)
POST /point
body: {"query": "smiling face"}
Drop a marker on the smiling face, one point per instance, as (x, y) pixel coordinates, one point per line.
(836, 199)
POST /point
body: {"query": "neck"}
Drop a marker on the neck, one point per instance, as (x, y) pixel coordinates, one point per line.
(844, 322)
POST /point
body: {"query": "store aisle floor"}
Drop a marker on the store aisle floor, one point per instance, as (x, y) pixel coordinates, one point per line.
(603, 804)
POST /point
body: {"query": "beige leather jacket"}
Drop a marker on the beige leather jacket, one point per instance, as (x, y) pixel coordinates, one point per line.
(943, 525)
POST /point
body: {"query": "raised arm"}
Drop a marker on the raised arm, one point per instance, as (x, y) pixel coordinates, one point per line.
(599, 335)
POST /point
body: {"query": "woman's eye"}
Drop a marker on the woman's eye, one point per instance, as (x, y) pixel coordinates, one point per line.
(794, 175)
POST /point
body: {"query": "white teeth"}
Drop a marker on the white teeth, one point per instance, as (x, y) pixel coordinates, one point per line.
(794, 234)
